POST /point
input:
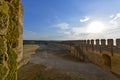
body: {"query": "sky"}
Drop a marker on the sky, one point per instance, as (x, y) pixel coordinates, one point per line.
(71, 19)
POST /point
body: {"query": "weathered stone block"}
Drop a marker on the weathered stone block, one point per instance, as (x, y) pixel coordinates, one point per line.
(1, 42)
(97, 42)
(118, 43)
(110, 42)
(1, 2)
(8, 0)
(3, 58)
(103, 42)
(88, 42)
(3, 23)
(92, 42)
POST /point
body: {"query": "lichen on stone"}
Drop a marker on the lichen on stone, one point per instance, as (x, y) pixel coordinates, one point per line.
(9, 38)
(3, 23)
(3, 58)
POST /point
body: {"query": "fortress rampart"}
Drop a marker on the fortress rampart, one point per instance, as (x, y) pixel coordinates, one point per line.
(100, 51)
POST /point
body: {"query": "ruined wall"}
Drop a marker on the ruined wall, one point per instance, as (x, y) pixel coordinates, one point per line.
(11, 14)
(101, 52)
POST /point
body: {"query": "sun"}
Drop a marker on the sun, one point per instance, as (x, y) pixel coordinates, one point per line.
(95, 27)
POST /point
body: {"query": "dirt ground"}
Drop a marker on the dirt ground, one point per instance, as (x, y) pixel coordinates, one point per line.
(51, 62)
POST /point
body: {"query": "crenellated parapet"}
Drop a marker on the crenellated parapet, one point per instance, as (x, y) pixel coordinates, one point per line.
(102, 52)
(101, 44)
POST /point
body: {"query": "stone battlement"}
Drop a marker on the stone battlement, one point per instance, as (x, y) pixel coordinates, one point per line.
(100, 51)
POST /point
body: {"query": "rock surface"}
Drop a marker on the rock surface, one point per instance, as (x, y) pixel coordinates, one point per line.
(11, 23)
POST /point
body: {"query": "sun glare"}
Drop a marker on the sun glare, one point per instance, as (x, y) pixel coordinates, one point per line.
(95, 27)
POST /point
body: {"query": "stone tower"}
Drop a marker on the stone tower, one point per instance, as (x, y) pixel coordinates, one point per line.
(11, 30)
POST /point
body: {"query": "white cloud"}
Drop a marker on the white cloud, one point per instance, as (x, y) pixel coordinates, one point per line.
(62, 25)
(109, 31)
(115, 20)
(78, 30)
(67, 31)
(84, 19)
(111, 16)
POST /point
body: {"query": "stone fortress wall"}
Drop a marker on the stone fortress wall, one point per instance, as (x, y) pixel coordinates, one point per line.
(11, 44)
(11, 31)
(96, 51)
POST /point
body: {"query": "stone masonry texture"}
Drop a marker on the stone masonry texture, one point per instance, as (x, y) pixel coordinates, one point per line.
(11, 47)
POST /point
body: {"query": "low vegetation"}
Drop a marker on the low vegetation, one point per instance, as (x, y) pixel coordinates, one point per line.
(40, 72)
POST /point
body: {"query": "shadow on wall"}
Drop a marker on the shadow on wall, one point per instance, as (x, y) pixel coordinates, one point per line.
(106, 61)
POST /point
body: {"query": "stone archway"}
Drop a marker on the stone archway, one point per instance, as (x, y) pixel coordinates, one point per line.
(106, 61)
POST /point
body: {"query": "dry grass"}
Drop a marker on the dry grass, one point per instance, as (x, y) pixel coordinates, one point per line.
(29, 71)
(28, 49)
(39, 72)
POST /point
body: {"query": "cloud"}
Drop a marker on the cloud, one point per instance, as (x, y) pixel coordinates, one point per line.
(62, 26)
(112, 33)
(84, 19)
(78, 30)
(115, 21)
(111, 16)
(110, 30)
(70, 32)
